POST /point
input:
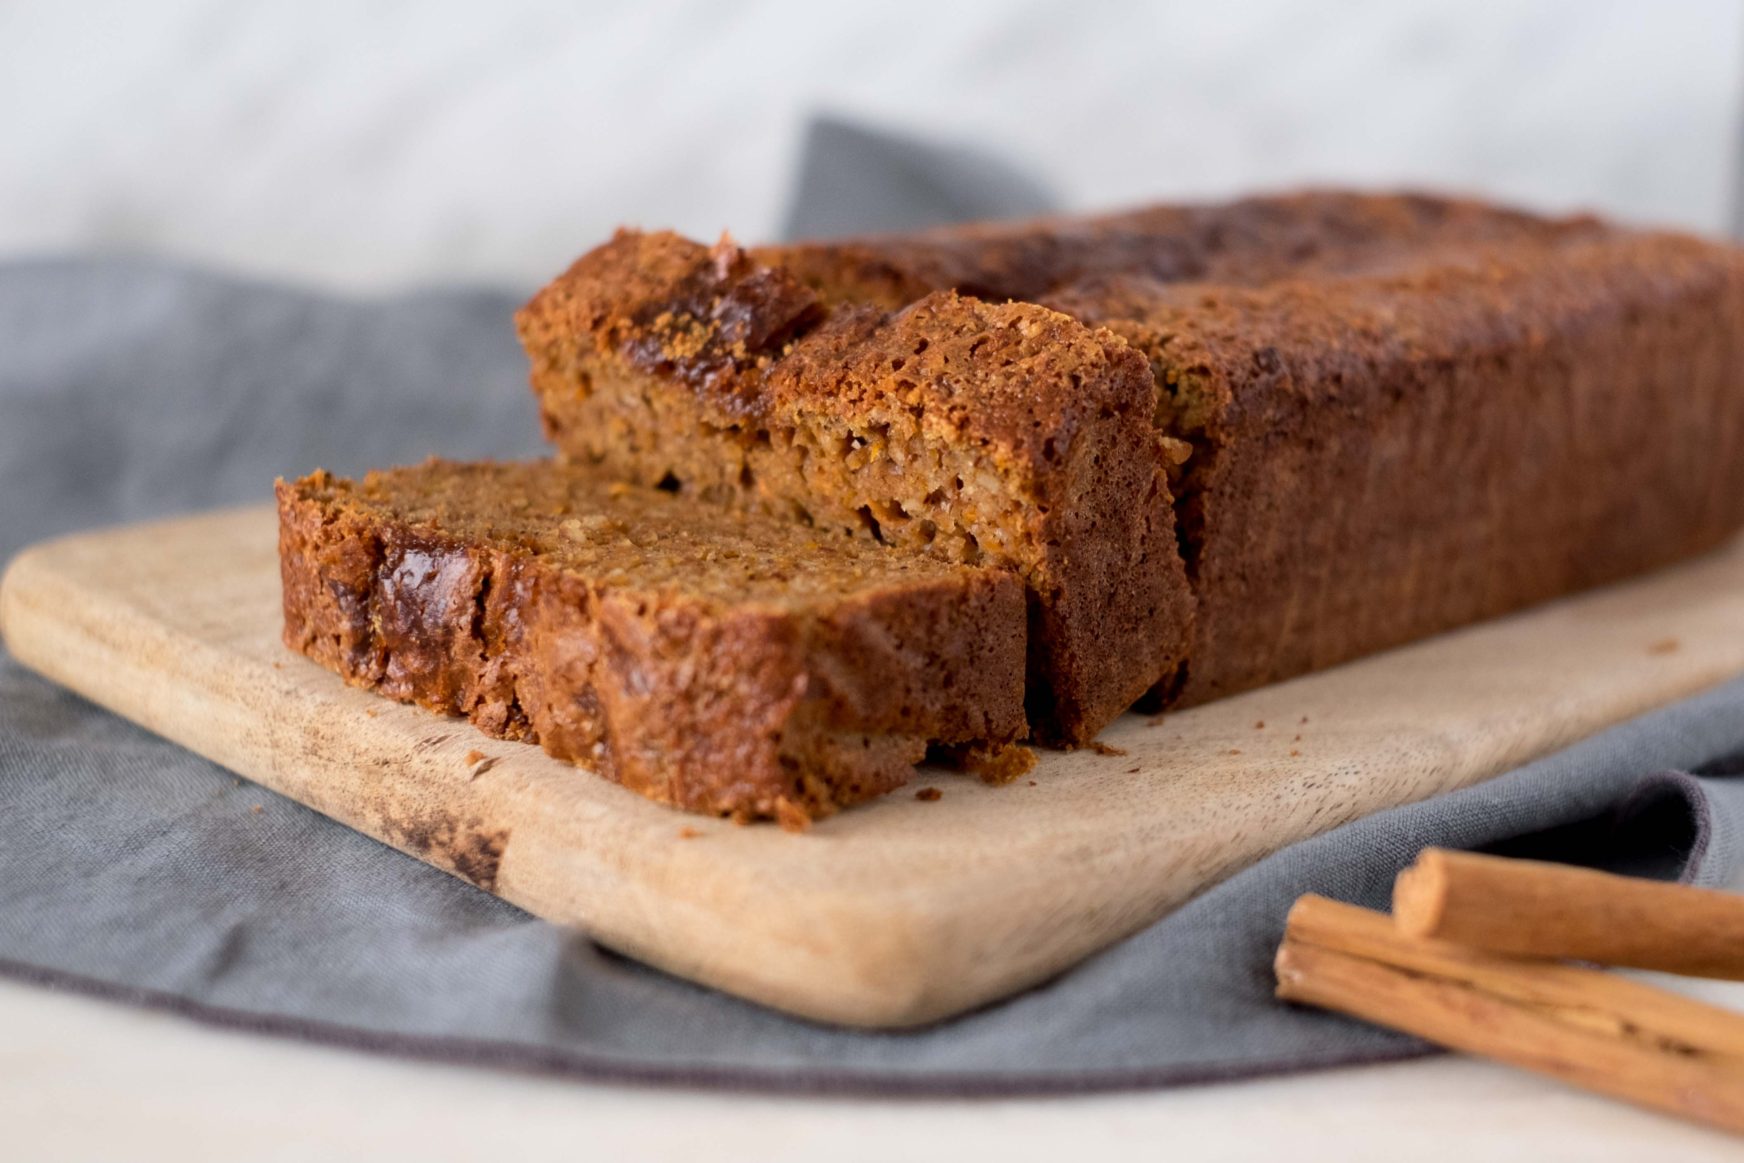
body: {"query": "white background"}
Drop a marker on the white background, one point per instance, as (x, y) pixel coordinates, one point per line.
(374, 145)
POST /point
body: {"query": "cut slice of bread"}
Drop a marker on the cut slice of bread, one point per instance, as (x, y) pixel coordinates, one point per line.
(719, 662)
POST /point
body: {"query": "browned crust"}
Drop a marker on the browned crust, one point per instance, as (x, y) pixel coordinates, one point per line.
(748, 711)
(1249, 241)
(1036, 431)
(668, 306)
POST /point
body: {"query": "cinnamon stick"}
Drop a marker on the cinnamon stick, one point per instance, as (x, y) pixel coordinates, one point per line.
(1534, 909)
(1585, 1027)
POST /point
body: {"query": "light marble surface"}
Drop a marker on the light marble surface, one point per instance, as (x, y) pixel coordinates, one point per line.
(87, 1080)
(374, 145)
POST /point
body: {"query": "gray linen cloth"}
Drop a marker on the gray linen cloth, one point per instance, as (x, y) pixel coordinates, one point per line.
(132, 870)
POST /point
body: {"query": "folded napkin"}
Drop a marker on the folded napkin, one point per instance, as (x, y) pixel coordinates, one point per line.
(133, 870)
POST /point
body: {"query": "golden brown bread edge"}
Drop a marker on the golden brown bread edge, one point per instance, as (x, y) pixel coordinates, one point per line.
(1380, 416)
(434, 585)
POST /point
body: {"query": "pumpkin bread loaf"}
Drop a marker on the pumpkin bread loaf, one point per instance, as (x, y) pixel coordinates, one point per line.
(722, 663)
(1376, 417)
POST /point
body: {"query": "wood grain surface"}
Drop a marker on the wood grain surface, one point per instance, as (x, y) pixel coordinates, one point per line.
(897, 913)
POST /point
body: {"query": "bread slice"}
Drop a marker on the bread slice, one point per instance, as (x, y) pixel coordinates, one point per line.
(1004, 435)
(722, 663)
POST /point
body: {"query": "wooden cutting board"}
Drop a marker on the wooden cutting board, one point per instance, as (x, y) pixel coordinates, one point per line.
(896, 913)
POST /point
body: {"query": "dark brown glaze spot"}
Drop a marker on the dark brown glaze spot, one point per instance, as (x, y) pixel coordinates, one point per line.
(720, 320)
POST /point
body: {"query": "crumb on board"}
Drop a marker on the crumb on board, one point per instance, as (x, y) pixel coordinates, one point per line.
(791, 816)
(689, 833)
(1665, 646)
(371, 712)
(473, 757)
(1235, 751)
(1032, 783)
(1304, 720)
(1102, 748)
(1297, 739)
(1002, 766)
(257, 809)
(1134, 770)
(1260, 725)
(1295, 752)
(928, 795)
